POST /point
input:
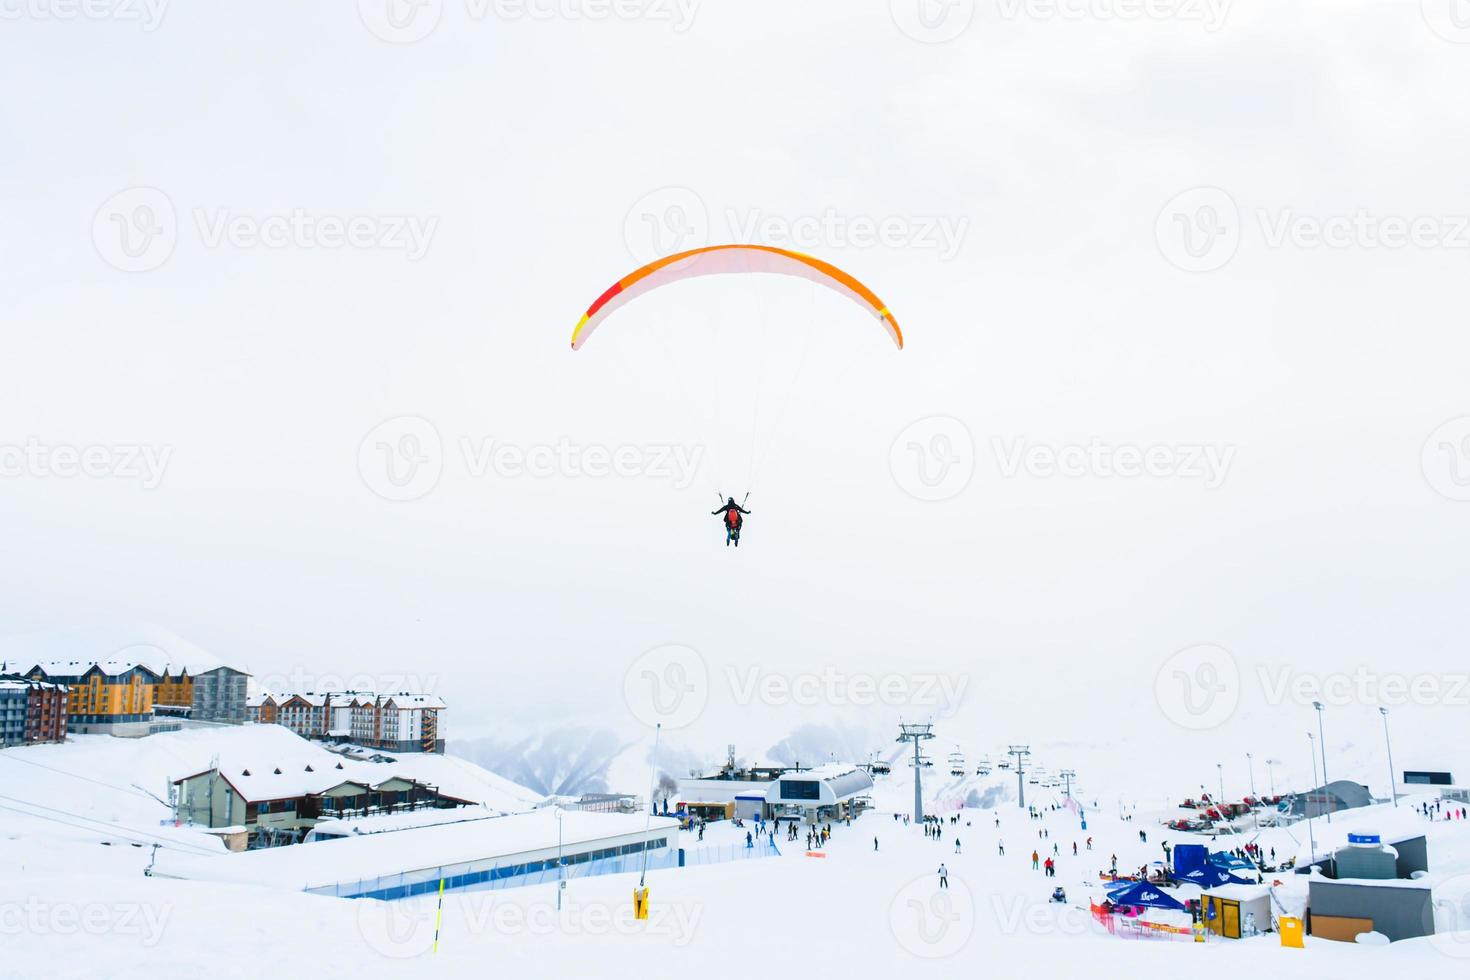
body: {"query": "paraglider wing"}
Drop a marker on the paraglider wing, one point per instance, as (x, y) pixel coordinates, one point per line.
(726, 259)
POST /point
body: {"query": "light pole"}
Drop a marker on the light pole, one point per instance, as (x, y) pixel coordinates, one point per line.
(1389, 742)
(1220, 771)
(1322, 747)
(1312, 746)
(561, 881)
(1250, 766)
(1271, 765)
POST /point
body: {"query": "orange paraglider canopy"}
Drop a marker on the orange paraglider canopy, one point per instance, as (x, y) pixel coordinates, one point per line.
(731, 259)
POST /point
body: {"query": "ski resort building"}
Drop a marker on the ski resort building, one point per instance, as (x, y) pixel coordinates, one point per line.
(826, 793)
(1339, 795)
(393, 722)
(1439, 781)
(31, 711)
(201, 691)
(280, 803)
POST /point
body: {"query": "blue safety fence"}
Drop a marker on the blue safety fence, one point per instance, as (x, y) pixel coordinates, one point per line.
(720, 853)
(493, 876)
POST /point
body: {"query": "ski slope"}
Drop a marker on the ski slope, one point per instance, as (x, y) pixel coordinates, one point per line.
(74, 900)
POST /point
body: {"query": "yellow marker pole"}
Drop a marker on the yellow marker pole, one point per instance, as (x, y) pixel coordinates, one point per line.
(439, 915)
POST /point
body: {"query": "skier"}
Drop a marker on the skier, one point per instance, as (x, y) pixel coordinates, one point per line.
(943, 876)
(733, 521)
(957, 845)
(1035, 861)
(875, 843)
(1002, 846)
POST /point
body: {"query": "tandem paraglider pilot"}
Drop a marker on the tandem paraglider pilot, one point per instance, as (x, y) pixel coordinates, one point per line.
(733, 520)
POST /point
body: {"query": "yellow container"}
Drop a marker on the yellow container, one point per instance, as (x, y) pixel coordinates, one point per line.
(640, 903)
(1291, 932)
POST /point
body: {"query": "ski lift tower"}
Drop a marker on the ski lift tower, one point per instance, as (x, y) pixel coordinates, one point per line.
(1067, 776)
(1020, 752)
(916, 733)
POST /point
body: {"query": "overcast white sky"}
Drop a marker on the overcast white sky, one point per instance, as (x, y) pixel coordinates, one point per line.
(1055, 287)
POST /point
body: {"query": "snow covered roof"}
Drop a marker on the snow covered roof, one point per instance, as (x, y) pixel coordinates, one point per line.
(1240, 893)
(26, 684)
(425, 701)
(343, 699)
(1392, 824)
(380, 855)
(310, 698)
(78, 668)
(389, 822)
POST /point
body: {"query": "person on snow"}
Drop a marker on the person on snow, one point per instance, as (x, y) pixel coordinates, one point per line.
(733, 520)
(1035, 861)
(957, 845)
(1002, 846)
(943, 876)
(875, 843)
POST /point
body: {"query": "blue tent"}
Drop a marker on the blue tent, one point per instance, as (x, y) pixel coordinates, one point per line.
(1211, 877)
(1229, 861)
(1189, 856)
(1144, 895)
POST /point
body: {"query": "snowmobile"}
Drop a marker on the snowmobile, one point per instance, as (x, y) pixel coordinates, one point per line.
(1059, 895)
